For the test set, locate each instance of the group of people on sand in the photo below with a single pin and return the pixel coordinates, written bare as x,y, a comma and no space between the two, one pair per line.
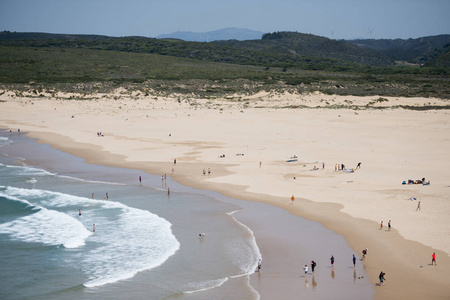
209,171
341,167
418,181
389,225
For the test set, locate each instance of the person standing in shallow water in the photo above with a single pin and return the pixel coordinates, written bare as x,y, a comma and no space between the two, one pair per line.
332,261
354,261
313,266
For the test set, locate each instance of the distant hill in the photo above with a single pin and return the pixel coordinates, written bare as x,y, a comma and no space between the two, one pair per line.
225,34
7,35
418,50
308,45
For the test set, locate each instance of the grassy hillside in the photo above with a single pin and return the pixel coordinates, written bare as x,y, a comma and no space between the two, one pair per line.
89,70
194,50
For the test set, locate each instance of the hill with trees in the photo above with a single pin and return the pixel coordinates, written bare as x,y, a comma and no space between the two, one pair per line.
308,45
418,51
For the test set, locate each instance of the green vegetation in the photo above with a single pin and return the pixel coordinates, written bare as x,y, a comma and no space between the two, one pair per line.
98,63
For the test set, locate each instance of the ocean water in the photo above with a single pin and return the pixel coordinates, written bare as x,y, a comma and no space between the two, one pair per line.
146,243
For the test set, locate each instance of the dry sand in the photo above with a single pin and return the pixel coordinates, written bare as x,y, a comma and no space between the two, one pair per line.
393,145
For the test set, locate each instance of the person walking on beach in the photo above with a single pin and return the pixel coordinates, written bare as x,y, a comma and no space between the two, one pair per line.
381,277
313,266
418,206
140,180
323,165
381,225
354,261
259,265
292,199
175,161
358,166
305,268
332,261
433,259
364,252
389,225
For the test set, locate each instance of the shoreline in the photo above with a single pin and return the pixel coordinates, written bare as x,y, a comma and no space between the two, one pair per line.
398,256
277,269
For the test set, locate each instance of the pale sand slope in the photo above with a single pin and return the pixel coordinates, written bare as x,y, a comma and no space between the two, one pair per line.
393,145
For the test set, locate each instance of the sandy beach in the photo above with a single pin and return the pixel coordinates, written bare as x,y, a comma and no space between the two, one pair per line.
245,142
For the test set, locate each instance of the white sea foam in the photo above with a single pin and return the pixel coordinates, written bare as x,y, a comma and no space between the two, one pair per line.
127,240
32,180
29,171
48,227
4,141
89,181
249,262
205,285
138,240
13,198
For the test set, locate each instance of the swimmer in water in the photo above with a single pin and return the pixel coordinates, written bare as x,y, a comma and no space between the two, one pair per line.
201,235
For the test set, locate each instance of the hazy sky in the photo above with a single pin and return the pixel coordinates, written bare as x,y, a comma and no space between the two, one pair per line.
339,19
